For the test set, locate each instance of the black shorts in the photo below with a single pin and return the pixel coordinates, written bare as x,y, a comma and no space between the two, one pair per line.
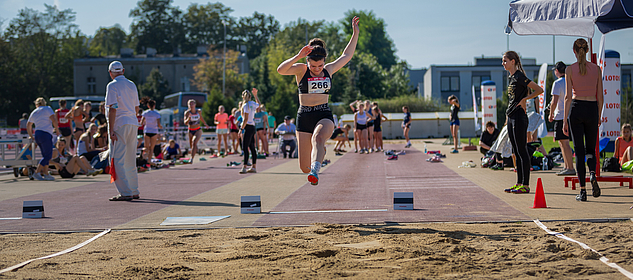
361,126
309,116
370,124
65,174
234,130
194,131
140,131
334,135
65,131
261,128
79,129
377,128
558,131
150,134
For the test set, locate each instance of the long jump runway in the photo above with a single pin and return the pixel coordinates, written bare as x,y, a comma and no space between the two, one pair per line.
87,207
363,184
353,189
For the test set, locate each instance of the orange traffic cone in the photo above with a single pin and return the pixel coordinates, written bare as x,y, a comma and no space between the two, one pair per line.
539,196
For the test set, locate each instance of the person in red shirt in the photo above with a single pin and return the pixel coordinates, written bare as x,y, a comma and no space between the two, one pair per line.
65,127
233,130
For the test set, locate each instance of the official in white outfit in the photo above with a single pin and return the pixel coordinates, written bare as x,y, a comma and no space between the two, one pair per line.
122,103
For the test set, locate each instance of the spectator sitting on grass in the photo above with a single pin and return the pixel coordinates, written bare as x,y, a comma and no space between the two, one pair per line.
488,137
68,165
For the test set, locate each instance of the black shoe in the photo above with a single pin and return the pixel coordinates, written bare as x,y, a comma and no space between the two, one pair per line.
582,196
595,189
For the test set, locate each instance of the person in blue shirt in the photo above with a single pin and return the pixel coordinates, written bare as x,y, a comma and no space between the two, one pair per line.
287,130
454,120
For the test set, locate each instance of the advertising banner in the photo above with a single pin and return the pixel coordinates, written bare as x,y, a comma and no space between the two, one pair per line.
488,103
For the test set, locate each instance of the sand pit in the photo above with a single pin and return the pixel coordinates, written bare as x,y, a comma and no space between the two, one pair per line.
322,251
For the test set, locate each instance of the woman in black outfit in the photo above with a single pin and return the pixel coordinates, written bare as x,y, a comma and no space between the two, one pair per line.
516,118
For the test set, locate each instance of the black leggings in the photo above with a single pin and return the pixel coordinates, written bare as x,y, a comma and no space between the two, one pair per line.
517,132
583,122
249,142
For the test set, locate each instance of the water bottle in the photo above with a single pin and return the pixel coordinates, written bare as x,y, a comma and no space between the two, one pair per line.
544,163
425,148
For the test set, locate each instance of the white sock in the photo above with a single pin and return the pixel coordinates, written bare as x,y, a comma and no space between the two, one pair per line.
316,167
409,142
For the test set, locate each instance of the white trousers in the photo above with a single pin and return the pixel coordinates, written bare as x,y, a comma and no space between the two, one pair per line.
123,151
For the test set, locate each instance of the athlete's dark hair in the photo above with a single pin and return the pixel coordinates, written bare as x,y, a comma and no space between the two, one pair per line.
147,101
62,102
512,55
318,52
490,124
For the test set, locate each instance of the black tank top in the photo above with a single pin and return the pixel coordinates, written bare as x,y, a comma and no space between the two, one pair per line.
377,120
309,84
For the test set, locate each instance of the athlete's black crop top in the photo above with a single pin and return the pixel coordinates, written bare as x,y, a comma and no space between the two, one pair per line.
309,84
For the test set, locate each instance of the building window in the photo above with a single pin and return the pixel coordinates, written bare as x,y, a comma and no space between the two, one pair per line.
92,85
450,83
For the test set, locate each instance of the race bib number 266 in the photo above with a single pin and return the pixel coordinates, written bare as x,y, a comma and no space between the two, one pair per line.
319,85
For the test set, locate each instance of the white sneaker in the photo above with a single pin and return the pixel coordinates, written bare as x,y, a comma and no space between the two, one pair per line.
38,177
48,177
371,150
244,170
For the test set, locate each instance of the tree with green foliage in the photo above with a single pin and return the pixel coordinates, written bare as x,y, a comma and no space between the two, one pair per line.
208,73
373,37
203,25
256,31
396,81
157,24
155,87
38,49
108,41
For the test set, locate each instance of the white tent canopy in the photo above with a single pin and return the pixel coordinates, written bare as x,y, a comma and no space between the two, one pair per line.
557,17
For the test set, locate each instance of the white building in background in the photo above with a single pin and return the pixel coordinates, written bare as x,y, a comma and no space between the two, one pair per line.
442,81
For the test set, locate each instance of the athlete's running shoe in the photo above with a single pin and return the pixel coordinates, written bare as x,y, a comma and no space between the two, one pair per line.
522,189
313,178
408,145
244,170
252,170
454,151
497,167
595,189
582,196
516,186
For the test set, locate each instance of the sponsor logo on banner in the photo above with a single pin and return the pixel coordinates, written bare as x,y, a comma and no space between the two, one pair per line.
488,104
610,122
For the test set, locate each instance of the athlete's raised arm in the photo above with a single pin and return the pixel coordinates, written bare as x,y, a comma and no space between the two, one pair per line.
334,66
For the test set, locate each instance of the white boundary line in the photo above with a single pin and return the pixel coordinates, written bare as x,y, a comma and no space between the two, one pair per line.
16,218
586,247
15,267
329,211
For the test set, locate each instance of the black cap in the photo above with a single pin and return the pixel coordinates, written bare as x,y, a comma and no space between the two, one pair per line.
287,118
560,66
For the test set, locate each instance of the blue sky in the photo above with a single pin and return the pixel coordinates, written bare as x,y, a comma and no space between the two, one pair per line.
424,32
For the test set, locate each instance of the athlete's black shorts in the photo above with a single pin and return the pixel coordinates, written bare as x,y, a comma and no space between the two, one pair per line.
65,174
258,129
65,131
361,126
309,116
150,135
558,131
235,130
140,132
377,128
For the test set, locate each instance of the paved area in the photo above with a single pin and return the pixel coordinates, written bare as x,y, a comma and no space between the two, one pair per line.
353,189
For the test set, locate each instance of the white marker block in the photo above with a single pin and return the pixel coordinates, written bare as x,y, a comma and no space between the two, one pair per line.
33,209
251,204
402,201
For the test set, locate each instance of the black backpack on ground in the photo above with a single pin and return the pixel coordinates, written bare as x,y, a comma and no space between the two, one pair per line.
611,165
